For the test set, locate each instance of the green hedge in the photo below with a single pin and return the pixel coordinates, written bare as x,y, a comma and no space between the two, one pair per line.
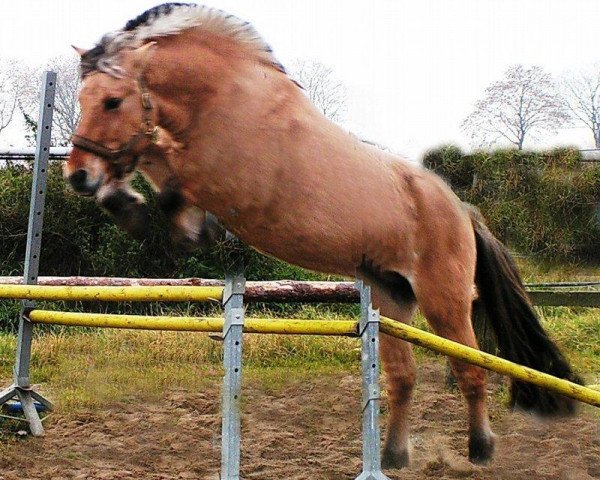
80,239
543,203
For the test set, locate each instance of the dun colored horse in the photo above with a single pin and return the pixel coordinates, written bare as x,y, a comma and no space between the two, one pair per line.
198,94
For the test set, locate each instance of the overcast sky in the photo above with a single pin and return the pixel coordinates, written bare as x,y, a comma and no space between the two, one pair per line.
413,68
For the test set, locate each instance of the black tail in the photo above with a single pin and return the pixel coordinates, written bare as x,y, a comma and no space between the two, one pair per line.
521,337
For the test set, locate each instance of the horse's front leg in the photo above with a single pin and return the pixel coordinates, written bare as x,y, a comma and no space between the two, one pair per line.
126,206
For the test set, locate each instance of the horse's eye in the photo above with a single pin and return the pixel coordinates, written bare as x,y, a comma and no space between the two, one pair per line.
112,103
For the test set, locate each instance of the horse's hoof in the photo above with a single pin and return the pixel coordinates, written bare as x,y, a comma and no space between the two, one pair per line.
135,220
481,448
392,459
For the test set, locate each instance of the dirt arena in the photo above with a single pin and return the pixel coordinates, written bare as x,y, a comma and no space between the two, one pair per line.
309,430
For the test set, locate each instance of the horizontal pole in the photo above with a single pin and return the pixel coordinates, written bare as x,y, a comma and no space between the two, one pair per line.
279,291
325,327
489,362
30,152
556,298
194,324
112,294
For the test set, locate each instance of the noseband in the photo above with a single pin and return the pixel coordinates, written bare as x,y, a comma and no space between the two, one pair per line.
115,156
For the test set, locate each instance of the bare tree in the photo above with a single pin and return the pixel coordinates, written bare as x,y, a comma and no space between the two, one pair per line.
27,83
581,95
321,85
66,107
523,104
66,111
8,95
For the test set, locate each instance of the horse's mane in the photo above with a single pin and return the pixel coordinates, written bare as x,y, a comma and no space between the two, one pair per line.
171,19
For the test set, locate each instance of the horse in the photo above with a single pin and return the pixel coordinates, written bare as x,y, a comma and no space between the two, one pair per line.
253,150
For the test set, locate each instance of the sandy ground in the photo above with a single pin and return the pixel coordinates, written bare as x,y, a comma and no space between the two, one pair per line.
309,431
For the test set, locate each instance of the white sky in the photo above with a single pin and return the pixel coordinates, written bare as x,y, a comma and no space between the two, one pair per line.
413,68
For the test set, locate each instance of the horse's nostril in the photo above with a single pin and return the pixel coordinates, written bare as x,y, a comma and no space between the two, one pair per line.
79,182
78,178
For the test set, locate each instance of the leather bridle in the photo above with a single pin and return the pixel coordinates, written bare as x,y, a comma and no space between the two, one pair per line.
115,156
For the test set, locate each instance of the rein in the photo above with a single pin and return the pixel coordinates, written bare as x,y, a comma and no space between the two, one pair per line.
114,156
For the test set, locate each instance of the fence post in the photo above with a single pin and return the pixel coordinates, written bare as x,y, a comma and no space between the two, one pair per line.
371,436
21,387
233,303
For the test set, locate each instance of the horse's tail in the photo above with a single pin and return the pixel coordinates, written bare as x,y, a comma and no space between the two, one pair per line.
521,338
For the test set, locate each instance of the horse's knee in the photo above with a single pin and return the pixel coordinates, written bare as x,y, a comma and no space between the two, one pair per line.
195,228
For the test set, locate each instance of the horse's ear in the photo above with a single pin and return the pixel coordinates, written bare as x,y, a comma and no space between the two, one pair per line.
80,51
142,55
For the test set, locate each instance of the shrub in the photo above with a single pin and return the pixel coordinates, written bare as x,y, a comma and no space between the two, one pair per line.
544,203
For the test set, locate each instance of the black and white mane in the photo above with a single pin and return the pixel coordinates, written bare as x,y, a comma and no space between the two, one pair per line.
170,19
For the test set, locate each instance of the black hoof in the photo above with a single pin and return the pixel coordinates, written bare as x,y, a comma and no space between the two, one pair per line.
128,214
391,459
481,448
170,199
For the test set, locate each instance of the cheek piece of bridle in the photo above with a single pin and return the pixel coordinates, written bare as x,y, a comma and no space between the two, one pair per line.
116,156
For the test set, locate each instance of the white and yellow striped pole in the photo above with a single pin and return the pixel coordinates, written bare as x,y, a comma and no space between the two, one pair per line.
112,294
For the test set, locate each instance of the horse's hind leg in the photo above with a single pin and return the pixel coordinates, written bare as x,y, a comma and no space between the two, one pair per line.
446,303
399,366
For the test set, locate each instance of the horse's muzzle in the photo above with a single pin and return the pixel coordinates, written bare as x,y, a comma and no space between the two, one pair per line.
83,184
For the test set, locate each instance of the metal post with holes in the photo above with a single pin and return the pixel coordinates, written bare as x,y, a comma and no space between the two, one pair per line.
369,335
21,387
233,303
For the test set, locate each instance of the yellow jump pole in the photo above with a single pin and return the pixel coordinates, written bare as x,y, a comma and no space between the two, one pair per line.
195,324
490,362
112,294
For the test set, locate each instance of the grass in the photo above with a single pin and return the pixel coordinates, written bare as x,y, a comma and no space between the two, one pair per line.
577,331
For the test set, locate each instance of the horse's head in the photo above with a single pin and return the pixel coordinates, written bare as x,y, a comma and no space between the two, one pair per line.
118,123
118,127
